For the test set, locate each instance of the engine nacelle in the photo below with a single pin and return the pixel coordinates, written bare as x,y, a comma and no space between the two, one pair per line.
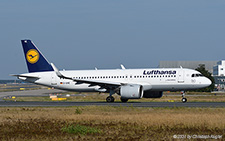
131,91
153,94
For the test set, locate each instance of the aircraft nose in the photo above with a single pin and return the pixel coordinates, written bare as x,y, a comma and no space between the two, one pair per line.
208,82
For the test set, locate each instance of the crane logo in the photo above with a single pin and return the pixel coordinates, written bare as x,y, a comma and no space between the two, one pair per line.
32,56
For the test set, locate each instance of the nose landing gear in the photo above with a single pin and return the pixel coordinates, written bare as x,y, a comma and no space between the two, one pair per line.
184,100
183,97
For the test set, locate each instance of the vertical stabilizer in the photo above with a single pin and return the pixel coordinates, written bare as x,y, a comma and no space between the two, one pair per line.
36,62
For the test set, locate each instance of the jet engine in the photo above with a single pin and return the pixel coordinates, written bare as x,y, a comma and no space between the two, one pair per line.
131,91
153,94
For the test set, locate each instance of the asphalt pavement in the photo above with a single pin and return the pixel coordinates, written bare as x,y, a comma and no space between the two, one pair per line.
46,92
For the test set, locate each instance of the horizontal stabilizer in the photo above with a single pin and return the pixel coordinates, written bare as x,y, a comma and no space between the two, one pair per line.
26,76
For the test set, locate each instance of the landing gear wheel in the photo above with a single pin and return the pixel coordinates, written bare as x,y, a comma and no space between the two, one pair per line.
183,97
123,100
184,100
110,99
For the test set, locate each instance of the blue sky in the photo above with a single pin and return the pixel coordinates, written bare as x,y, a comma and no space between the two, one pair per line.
83,34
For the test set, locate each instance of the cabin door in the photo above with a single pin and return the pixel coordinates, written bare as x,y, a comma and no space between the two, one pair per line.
181,76
54,81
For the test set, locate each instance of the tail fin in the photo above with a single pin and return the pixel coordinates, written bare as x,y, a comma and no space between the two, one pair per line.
36,62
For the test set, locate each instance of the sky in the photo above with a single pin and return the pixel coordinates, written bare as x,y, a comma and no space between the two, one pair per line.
84,34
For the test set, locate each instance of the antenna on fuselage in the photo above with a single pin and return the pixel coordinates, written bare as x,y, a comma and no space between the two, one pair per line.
122,67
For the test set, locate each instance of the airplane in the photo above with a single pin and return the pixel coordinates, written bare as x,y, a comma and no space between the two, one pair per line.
128,83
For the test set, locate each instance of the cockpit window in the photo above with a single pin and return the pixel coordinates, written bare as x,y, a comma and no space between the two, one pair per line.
197,75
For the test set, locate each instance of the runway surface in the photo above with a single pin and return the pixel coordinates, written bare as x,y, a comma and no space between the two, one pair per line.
129,104
45,92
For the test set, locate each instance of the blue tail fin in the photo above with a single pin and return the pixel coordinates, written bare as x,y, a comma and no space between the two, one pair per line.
36,62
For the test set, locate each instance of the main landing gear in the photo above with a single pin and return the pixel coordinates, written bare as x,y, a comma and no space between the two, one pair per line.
123,100
183,97
110,98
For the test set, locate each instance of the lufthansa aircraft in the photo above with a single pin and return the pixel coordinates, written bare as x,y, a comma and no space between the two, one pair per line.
128,83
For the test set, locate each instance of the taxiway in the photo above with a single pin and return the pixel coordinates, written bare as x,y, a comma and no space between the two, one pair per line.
46,92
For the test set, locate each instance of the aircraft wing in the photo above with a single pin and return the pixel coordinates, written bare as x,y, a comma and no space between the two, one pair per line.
100,83
104,84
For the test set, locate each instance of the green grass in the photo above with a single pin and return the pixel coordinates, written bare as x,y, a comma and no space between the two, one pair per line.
78,111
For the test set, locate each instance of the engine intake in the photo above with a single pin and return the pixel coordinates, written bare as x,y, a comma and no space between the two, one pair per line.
131,91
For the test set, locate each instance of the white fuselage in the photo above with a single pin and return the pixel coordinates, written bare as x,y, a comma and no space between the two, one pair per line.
168,79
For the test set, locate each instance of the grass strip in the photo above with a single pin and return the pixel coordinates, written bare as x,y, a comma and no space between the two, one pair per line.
80,129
